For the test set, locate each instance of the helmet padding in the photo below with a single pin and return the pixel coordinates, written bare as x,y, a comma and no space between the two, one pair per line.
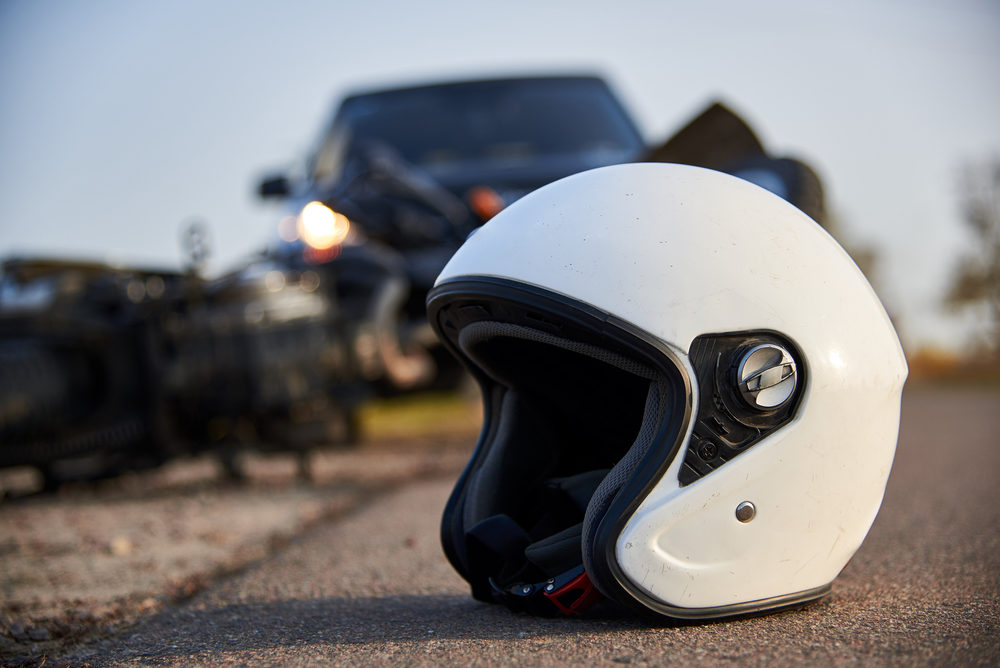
574,422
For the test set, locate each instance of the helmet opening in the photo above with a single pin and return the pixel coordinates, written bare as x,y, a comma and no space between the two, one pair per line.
571,420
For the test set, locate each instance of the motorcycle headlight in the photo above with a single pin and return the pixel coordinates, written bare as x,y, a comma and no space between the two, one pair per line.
321,227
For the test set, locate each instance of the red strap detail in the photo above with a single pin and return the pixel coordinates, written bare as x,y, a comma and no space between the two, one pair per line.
576,596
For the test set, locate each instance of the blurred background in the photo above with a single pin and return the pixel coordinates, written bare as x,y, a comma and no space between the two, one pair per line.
122,122
124,125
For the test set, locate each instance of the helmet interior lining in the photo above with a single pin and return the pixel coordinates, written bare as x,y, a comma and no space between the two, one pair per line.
570,413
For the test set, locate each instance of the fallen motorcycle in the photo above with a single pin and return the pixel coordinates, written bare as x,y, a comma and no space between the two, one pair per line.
106,369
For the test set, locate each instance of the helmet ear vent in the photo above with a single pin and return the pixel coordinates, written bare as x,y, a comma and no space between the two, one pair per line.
749,385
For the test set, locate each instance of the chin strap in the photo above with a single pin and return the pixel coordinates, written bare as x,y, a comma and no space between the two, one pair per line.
570,593
498,551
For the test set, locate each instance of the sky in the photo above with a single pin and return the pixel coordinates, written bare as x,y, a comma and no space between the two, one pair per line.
123,121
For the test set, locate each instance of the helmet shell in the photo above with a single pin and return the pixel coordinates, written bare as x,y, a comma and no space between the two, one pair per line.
679,252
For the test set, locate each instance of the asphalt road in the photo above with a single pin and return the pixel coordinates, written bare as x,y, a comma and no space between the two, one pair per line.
373,587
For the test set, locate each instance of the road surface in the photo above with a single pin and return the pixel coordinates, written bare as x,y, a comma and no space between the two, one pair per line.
370,586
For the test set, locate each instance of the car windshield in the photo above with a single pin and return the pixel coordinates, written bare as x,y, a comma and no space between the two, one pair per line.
500,124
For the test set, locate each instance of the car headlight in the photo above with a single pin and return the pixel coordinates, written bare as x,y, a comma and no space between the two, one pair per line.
321,227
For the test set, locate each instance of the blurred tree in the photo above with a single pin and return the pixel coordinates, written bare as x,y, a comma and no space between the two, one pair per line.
976,279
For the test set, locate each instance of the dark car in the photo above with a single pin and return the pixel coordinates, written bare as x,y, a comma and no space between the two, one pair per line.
513,135
401,177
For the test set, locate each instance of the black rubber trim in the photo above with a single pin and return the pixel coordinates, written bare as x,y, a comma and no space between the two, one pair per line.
740,609
444,303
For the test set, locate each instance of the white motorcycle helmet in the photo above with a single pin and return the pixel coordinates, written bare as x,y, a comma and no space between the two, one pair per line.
691,397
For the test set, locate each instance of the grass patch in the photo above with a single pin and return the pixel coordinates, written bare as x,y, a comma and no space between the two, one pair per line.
422,415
